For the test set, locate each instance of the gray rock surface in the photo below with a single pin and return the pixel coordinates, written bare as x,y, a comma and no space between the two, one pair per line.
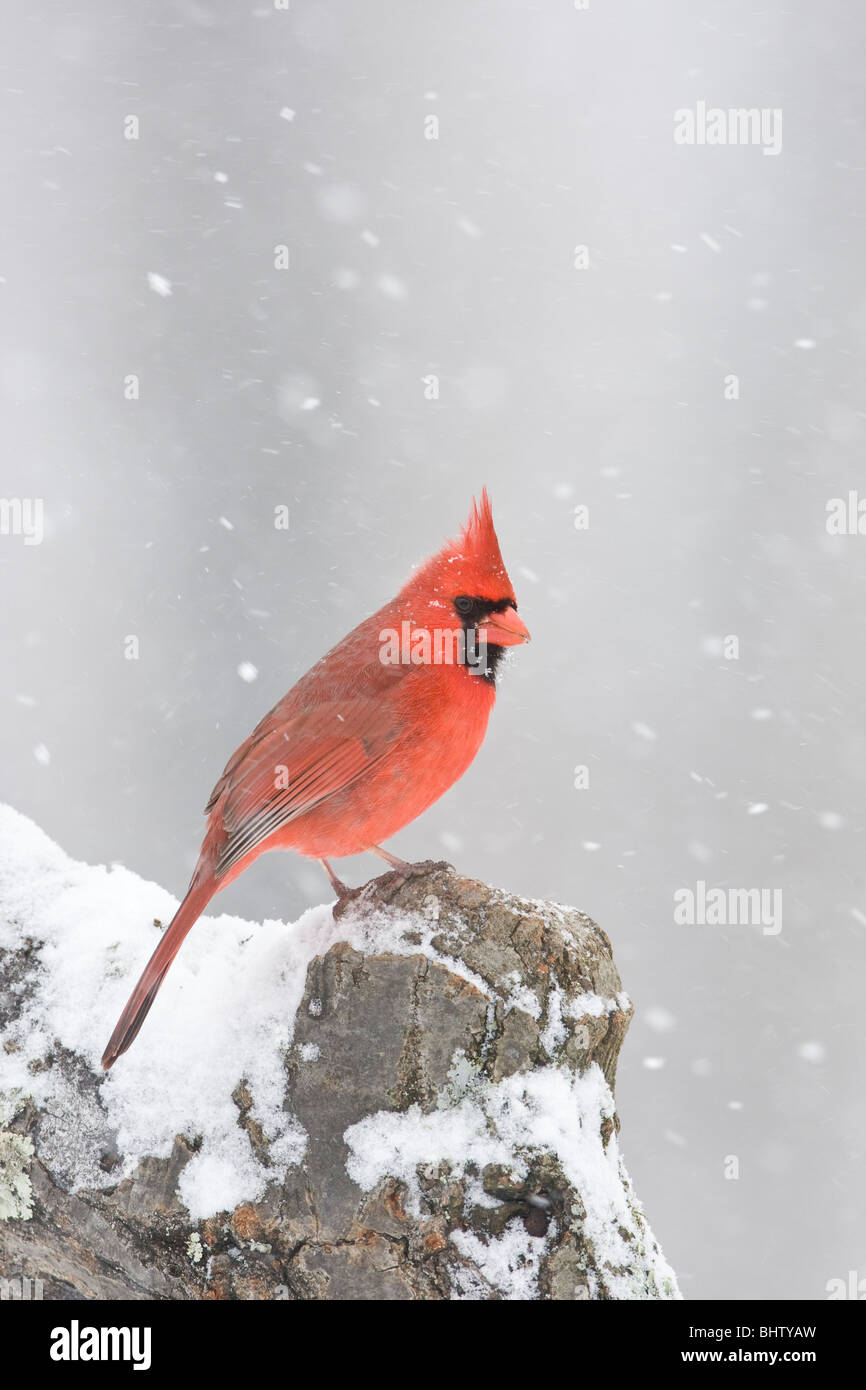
461,1142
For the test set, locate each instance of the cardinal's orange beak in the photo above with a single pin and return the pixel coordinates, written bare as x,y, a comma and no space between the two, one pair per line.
504,629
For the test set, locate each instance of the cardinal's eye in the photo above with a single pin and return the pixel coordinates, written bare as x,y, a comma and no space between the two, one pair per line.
463,604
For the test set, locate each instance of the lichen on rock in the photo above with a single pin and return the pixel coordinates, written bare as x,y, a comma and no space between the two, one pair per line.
16,1190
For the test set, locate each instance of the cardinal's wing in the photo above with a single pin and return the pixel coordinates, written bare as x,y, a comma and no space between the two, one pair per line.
289,765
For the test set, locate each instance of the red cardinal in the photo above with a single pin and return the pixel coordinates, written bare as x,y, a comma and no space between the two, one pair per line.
366,740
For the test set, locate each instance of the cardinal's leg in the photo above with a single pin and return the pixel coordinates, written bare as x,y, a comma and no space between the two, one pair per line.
401,864
337,884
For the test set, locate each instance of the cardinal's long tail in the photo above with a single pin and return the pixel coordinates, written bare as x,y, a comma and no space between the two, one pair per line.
138,1005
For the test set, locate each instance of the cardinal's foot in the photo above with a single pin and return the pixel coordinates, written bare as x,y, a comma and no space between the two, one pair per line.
382,890
423,867
403,871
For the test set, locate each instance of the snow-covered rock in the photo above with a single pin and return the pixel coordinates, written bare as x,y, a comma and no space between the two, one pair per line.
408,1097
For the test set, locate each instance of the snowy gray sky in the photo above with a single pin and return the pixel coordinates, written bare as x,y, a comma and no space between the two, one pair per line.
693,377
